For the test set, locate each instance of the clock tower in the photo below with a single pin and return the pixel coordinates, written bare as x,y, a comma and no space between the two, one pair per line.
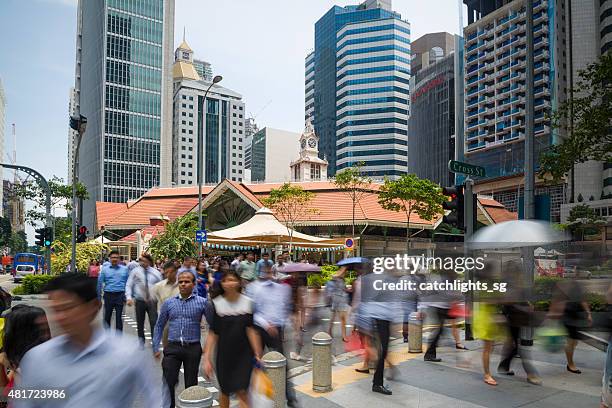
309,167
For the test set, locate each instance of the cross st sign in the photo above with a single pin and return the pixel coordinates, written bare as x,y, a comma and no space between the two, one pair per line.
464,168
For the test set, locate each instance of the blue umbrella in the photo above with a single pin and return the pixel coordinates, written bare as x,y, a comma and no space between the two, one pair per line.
353,261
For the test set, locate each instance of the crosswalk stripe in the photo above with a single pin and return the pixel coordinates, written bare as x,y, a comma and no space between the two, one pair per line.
148,337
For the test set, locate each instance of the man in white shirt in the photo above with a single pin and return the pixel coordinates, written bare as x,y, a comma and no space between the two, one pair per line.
138,292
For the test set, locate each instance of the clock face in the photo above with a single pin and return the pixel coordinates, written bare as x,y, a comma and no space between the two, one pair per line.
303,143
312,143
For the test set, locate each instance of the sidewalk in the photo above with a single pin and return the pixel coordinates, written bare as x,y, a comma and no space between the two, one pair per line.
457,381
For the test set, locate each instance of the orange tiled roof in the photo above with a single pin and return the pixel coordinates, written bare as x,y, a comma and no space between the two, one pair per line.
247,193
496,211
105,212
257,188
141,212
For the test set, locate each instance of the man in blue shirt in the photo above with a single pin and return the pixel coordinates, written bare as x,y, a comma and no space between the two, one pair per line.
184,315
112,281
263,264
91,366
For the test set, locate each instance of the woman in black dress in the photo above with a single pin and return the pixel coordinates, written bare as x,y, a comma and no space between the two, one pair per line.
236,341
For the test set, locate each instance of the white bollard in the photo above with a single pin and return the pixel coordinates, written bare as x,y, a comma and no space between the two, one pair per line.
195,397
415,333
276,368
321,362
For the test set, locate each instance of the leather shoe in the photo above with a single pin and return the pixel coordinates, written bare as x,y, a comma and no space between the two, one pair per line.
381,389
432,359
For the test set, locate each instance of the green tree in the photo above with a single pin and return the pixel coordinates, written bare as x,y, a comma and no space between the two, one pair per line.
5,232
177,241
61,197
18,242
412,195
290,204
85,253
63,230
583,220
585,119
354,184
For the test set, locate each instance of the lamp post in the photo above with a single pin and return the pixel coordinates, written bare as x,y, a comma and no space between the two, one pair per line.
78,123
200,143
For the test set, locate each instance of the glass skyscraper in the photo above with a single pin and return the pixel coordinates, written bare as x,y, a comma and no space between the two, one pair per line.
359,88
123,85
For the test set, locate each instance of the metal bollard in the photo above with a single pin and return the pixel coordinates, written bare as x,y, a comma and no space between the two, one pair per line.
321,362
195,397
276,368
415,333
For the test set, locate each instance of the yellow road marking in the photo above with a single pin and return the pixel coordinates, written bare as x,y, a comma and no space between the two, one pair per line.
347,374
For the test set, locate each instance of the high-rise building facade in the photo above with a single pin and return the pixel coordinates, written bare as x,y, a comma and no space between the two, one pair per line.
309,100
204,70
431,130
361,65
219,119
495,90
271,153
2,127
124,88
605,29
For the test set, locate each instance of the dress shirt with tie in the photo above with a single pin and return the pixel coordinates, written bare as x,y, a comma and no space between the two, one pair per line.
140,283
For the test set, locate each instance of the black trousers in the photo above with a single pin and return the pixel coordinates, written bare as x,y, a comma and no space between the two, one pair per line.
441,315
150,308
114,301
176,355
275,343
511,347
382,328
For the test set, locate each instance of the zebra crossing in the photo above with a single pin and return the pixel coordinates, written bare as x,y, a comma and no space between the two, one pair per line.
203,382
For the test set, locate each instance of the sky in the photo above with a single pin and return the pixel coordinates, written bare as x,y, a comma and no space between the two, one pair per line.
258,46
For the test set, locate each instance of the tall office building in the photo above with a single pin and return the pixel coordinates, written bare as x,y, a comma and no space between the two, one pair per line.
124,88
431,130
219,119
2,127
204,70
359,87
495,55
605,29
271,153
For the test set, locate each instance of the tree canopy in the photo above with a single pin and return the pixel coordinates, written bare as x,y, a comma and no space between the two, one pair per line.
354,184
178,239
585,118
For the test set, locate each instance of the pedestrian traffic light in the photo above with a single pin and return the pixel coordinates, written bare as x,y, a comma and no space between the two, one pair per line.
455,205
82,236
48,236
40,236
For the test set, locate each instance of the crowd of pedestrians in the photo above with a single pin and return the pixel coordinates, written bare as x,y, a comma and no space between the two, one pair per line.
221,315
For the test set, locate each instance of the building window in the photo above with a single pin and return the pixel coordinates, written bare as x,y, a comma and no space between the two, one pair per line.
182,173
234,115
296,172
190,123
233,130
182,164
240,155
182,139
183,96
191,132
182,130
182,156
190,140
240,139
234,163
240,132
233,139
191,98
183,105
234,122
233,178
233,170
315,171
190,106
240,116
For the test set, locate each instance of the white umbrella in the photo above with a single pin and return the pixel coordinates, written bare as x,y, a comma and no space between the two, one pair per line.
516,234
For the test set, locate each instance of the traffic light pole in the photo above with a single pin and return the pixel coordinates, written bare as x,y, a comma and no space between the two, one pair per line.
79,124
45,186
468,208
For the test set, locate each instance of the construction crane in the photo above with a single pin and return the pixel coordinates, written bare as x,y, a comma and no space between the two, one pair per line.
260,110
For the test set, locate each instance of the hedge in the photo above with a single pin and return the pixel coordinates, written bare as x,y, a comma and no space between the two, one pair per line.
32,284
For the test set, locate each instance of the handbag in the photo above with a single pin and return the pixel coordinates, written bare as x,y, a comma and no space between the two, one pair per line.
261,393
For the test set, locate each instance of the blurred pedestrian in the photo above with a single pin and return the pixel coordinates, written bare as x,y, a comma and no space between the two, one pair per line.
183,313
336,291
234,339
247,269
203,279
93,367
570,305
606,389
25,327
164,290
235,265
111,282
272,304
263,264
138,291
93,271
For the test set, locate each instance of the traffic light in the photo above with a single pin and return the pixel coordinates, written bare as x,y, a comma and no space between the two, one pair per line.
48,236
40,236
455,205
82,236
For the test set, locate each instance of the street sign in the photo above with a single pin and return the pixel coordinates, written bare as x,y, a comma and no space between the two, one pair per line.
201,235
349,243
465,168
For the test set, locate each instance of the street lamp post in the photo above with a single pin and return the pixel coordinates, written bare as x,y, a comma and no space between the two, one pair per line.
200,143
78,123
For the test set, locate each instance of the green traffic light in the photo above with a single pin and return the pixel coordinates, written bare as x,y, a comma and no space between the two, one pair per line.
47,243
